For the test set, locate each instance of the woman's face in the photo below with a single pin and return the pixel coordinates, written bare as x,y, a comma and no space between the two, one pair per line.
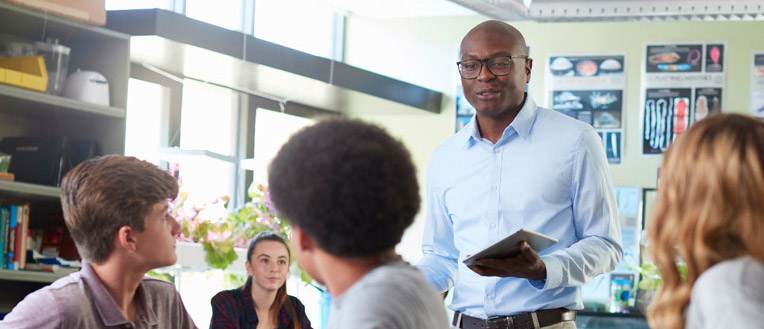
268,265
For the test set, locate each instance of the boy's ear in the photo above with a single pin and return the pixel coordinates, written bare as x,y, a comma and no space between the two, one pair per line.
126,238
302,241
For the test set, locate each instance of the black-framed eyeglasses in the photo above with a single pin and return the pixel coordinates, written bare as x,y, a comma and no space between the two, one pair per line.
499,65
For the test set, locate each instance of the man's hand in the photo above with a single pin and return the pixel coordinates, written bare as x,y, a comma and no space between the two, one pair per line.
525,265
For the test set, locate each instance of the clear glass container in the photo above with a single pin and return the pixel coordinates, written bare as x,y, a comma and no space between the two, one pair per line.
56,63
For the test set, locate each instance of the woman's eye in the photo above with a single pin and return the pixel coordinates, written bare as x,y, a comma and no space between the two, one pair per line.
264,260
282,262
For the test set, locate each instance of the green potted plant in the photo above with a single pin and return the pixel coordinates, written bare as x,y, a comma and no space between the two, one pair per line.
649,282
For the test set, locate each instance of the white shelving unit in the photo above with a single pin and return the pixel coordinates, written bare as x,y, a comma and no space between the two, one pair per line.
30,276
29,191
29,113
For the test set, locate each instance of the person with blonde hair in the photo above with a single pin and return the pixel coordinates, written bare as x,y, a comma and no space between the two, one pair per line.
710,215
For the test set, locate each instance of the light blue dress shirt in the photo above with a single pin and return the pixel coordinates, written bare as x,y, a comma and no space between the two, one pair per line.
548,173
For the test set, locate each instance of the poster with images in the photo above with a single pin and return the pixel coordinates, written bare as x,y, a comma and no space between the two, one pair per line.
611,142
681,84
590,88
464,111
757,85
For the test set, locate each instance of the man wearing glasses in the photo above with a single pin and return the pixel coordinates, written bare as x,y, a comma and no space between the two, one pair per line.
516,166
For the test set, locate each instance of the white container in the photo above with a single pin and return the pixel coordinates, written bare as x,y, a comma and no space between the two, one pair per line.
87,86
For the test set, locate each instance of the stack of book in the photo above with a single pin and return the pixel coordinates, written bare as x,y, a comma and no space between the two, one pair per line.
14,232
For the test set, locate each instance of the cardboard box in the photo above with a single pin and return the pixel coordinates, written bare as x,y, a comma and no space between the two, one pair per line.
89,11
6,176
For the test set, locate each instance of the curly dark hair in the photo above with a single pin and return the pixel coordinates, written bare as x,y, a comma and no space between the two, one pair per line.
347,184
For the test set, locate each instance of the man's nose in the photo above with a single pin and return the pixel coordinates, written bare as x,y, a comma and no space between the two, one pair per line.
485,73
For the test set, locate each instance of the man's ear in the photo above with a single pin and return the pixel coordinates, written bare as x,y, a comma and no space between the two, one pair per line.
528,67
126,238
301,241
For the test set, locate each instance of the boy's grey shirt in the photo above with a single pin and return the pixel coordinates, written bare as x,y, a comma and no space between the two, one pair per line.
392,296
80,300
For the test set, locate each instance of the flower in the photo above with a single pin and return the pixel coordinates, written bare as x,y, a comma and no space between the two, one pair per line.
218,231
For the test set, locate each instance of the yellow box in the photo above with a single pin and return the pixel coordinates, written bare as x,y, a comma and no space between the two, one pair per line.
25,72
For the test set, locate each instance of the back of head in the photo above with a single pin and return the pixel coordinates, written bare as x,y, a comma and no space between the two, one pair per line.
709,206
103,194
347,184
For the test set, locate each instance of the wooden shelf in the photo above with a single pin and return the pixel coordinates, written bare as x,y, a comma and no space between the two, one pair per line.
31,191
24,99
30,276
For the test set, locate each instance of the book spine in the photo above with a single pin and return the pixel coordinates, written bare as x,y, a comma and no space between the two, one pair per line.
3,233
17,251
11,247
24,236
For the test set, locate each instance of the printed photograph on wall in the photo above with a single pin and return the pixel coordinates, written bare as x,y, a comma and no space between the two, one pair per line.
590,88
714,57
585,66
666,116
599,108
464,111
757,85
708,101
682,83
611,141
674,58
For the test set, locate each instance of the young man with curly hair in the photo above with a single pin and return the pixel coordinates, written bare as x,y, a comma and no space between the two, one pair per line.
350,190
116,209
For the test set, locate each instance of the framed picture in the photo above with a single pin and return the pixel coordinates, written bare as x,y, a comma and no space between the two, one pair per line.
649,195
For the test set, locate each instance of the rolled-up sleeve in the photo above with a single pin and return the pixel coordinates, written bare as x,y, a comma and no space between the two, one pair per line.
439,255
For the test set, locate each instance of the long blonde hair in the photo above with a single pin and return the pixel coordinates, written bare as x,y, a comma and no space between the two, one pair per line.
709,207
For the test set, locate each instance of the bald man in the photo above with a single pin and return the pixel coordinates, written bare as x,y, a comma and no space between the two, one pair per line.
516,166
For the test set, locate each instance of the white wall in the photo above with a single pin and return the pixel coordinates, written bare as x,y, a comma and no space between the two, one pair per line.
423,51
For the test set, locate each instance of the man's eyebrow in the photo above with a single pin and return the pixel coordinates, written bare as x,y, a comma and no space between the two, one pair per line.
501,53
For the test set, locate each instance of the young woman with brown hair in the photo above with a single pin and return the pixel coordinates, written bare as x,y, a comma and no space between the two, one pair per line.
263,301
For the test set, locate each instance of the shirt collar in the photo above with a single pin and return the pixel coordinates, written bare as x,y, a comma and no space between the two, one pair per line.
522,124
106,306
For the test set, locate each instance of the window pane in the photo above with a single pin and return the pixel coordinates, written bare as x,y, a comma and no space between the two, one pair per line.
305,25
208,120
147,104
206,179
197,289
226,14
272,129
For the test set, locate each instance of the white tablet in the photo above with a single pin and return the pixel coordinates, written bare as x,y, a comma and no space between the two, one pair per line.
510,246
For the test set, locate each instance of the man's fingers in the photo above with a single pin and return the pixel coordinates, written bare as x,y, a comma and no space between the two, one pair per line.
475,269
528,252
487,263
